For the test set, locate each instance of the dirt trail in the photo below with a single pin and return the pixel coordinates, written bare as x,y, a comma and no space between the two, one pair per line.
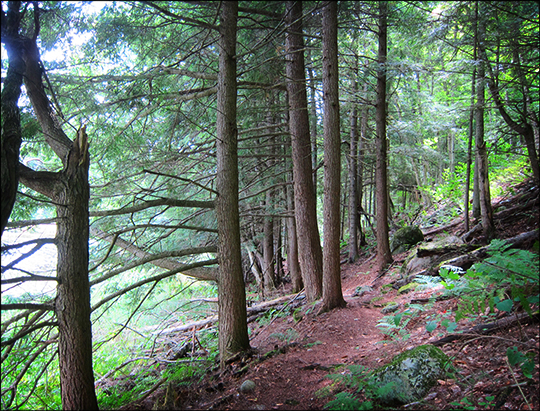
307,347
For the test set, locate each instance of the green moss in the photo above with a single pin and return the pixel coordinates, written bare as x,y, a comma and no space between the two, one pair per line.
411,374
407,288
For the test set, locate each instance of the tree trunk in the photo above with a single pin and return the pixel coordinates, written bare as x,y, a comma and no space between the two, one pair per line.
353,176
268,247
384,256
486,211
233,335
73,293
11,119
292,246
332,293
69,189
309,245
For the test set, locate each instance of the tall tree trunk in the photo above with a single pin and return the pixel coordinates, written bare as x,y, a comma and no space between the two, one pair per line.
233,334
469,151
486,210
69,189
384,256
353,174
73,295
313,119
332,293
11,120
309,245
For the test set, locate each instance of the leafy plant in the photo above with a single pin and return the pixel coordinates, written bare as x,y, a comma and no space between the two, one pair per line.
358,378
505,280
525,361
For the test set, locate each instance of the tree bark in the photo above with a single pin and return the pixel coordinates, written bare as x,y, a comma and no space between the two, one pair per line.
332,293
73,294
233,335
292,246
309,245
69,189
384,256
11,120
353,174
486,211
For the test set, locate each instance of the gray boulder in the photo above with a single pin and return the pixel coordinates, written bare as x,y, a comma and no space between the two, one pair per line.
405,238
411,374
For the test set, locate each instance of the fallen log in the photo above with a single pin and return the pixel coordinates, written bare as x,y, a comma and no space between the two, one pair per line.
253,310
482,329
466,260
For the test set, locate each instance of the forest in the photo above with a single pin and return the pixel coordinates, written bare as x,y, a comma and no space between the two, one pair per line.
197,195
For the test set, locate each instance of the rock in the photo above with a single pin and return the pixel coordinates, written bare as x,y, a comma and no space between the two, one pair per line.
426,257
390,308
405,238
413,373
247,387
360,291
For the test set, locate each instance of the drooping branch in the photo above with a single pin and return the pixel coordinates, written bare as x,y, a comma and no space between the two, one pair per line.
199,272
172,202
178,270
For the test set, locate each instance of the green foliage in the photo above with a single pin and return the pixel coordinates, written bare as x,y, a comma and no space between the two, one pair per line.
525,361
507,279
360,380
395,326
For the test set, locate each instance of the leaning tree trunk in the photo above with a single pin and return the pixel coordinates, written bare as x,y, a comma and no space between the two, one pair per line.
233,333
309,245
384,256
11,120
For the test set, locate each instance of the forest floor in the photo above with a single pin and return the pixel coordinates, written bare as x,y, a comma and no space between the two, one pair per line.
304,348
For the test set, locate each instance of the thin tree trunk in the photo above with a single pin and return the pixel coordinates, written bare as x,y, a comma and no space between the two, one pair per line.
353,181
309,245
486,210
233,334
384,255
332,293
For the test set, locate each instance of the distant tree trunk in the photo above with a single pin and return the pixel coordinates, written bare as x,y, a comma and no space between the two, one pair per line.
313,119
292,246
486,210
469,151
332,293
268,247
353,175
233,334
309,245
384,256
11,120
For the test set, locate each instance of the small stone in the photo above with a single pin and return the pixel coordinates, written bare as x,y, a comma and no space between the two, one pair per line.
247,386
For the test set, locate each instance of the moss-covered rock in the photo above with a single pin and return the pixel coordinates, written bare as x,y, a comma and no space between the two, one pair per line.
390,308
405,238
407,288
412,374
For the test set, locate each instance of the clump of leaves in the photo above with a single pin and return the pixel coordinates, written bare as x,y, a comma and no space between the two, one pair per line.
358,378
506,279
